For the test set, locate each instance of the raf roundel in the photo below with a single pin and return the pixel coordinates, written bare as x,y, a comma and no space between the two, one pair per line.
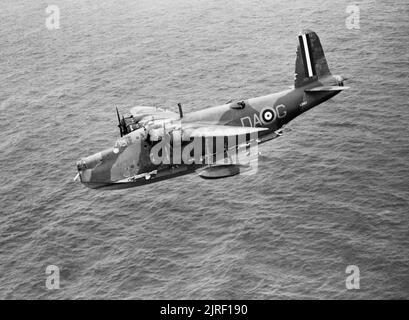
268,115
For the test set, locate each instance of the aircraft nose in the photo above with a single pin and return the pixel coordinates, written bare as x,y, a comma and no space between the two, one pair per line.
112,165
95,170
90,162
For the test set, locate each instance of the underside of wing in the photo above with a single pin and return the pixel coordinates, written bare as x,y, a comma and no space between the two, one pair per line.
326,89
212,130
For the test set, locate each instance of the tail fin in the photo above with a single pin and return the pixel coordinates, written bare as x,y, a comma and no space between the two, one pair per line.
310,63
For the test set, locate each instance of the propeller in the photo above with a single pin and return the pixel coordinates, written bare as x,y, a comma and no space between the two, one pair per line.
121,123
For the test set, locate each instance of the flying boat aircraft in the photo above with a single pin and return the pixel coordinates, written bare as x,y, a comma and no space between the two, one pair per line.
216,142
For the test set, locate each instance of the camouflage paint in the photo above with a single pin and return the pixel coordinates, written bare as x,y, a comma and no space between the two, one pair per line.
128,163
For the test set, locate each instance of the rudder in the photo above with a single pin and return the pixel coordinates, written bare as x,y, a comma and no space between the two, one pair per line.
310,63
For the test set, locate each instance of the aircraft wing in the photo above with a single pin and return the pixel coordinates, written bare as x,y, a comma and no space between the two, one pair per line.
141,112
215,130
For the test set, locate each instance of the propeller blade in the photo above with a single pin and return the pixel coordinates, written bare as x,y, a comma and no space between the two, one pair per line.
119,122
117,113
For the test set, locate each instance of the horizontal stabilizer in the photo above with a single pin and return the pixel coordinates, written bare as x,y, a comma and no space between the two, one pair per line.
326,89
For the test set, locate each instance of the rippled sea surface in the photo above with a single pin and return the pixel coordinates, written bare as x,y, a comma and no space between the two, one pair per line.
331,192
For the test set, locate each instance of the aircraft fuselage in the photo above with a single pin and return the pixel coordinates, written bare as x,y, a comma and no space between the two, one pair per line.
282,107
145,135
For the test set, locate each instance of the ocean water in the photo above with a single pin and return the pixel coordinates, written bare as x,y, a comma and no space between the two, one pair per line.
331,192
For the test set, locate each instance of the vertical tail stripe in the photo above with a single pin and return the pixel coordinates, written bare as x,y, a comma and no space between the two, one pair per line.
302,52
311,54
307,55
